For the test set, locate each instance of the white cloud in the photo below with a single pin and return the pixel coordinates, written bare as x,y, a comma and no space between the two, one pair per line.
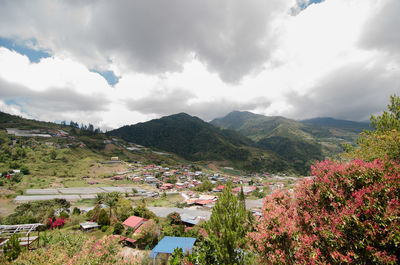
204,58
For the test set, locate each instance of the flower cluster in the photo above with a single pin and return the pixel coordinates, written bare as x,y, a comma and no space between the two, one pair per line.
347,214
56,222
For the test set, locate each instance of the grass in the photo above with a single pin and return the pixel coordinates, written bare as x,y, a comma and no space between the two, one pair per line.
169,201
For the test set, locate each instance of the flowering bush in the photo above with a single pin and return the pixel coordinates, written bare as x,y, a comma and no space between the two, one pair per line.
349,213
56,223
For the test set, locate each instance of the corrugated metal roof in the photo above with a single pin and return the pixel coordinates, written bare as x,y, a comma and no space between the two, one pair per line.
169,243
134,222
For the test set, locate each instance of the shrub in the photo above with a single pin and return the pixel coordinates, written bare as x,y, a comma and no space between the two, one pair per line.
76,211
12,249
64,215
118,229
347,214
103,218
25,170
104,228
55,223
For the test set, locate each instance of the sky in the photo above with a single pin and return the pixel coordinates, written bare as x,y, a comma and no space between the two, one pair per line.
113,63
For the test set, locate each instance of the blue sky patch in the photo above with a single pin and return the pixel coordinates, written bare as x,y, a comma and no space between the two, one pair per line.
109,76
25,47
305,5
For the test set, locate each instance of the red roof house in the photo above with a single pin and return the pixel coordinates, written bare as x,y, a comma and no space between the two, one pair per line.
134,222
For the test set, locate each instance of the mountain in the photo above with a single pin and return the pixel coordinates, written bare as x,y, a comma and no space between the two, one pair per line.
351,126
299,142
196,140
75,152
187,136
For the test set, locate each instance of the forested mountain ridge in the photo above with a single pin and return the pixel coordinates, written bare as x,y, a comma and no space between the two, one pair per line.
187,136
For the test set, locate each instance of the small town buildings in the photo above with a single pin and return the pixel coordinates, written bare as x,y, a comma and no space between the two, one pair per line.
167,186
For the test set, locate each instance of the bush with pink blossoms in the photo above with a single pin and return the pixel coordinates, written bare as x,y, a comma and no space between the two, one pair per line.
56,222
349,213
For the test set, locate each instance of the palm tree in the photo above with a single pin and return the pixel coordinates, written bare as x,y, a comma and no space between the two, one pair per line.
111,199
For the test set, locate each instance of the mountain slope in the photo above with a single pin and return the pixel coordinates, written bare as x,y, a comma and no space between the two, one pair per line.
299,142
187,136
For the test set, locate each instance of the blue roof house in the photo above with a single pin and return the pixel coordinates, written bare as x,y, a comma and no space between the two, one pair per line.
169,243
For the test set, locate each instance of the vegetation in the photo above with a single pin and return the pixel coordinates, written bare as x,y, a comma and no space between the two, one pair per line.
66,247
12,249
347,214
187,136
103,218
36,212
227,230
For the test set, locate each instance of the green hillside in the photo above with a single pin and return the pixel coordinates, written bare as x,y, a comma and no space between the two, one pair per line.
299,142
187,136
73,155
196,140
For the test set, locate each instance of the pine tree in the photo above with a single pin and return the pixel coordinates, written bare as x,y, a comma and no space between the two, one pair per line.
227,228
242,198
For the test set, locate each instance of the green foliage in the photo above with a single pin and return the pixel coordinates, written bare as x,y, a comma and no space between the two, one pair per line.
187,136
12,249
178,257
103,218
389,120
38,211
148,234
53,154
24,170
118,228
174,218
142,211
110,199
384,141
76,211
123,209
205,185
104,228
227,228
301,153
257,193
64,214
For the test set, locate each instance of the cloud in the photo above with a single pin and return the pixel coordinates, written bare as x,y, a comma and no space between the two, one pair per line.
233,38
381,32
52,102
352,92
171,101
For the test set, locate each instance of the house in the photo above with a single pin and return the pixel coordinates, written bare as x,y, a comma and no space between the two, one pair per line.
167,186
168,244
134,222
118,178
88,226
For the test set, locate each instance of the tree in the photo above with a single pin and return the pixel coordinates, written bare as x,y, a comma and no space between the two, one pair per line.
53,154
389,120
103,218
205,185
148,234
225,229
12,249
241,197
123,209
109,199
142,211
384,140
118,228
